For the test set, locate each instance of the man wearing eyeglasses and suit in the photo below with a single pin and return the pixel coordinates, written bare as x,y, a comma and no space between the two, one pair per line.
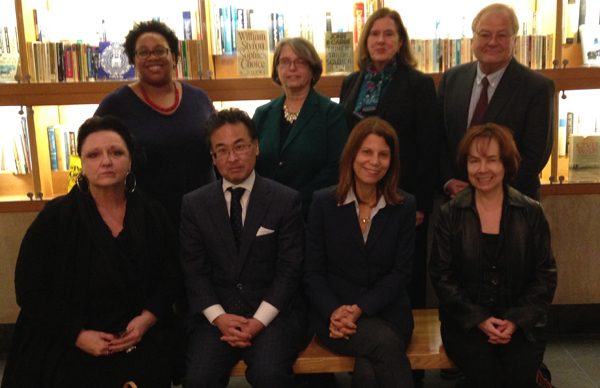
496,88
242,247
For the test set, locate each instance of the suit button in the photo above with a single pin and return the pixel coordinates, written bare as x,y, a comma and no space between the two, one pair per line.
239,286
280,164
495,282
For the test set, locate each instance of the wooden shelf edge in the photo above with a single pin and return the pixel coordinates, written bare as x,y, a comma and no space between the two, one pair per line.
570,189
21,206
233,89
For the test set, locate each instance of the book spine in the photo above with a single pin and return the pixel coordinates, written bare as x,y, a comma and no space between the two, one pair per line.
52,149
272,31
184,59
187,25
249,16
359,21
562,137
72,143
233,24
280,27
570,117
65,149
226,31
241,19
68,63
60,148
26,140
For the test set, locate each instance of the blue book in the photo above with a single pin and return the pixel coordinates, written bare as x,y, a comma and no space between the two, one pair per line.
241,18
458,51
52,148
187,25
113,62
226,31
233,23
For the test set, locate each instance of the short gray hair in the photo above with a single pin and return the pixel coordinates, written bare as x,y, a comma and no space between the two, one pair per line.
498,7
305,50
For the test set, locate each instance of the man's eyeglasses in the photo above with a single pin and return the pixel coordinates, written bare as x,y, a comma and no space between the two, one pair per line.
222,153
159,52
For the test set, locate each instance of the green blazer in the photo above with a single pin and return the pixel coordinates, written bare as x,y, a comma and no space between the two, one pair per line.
310,157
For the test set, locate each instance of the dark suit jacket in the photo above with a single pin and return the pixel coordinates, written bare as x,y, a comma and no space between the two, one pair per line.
340,269
409,105
310,157
268,267
523,102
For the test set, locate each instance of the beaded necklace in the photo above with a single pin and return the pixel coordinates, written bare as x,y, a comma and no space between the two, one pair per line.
155,106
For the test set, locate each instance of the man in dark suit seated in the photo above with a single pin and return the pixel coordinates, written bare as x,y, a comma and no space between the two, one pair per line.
242,247
497,89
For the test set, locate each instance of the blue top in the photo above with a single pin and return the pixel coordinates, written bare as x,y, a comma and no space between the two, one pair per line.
172,158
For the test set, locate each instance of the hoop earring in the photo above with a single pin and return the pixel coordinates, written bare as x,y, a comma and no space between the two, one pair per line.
83,184
129,182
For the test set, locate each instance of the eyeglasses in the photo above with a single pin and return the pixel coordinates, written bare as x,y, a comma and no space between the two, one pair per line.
159,52
501,37
298,62
222,153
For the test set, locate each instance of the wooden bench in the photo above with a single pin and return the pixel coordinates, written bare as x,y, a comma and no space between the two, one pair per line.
425,351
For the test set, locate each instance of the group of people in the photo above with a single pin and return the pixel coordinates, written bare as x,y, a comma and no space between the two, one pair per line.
317,224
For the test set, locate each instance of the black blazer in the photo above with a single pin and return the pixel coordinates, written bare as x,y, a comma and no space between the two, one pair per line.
523,102
268,266
341,269
409,105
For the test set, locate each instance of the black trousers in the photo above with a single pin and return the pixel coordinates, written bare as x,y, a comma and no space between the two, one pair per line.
485,365
417,288
379,349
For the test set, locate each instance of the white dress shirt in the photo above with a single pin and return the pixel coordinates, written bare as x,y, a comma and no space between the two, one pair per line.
266,312
351,197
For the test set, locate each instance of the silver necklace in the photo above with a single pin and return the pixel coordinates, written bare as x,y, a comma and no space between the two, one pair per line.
289,116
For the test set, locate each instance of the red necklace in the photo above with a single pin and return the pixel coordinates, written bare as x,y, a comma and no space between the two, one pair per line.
158,108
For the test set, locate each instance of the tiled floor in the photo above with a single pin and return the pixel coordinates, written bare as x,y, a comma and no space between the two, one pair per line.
574,361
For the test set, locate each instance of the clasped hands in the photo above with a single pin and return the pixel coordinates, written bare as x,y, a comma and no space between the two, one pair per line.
499,331
99,343
238,331
342,321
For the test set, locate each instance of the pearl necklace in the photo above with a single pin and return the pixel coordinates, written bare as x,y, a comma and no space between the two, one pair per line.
289,116
155,106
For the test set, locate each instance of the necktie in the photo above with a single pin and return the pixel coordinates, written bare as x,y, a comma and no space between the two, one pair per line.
235,213
482,104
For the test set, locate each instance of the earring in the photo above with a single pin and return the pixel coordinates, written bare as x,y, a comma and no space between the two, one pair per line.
129,182
83,184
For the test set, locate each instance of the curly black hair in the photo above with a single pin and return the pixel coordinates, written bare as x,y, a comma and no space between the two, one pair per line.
150,26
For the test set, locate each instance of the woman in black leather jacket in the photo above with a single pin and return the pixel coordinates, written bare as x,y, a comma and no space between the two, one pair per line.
493,268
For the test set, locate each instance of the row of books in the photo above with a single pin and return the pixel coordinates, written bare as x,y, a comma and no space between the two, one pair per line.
62,61
438,55
8,40
15,153
62,143
189,65
76,62
226,19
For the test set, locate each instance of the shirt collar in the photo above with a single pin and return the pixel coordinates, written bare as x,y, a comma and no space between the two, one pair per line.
247,184
351,197
493,78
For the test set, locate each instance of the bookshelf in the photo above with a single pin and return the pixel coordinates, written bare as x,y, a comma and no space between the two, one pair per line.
42,102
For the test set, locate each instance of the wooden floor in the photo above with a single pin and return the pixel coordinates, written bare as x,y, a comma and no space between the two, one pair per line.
425,351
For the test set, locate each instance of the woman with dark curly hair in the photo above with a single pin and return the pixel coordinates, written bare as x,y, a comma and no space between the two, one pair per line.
166,116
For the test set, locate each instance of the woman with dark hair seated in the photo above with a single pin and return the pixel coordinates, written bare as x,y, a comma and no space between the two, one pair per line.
96,278
359,245
492,268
